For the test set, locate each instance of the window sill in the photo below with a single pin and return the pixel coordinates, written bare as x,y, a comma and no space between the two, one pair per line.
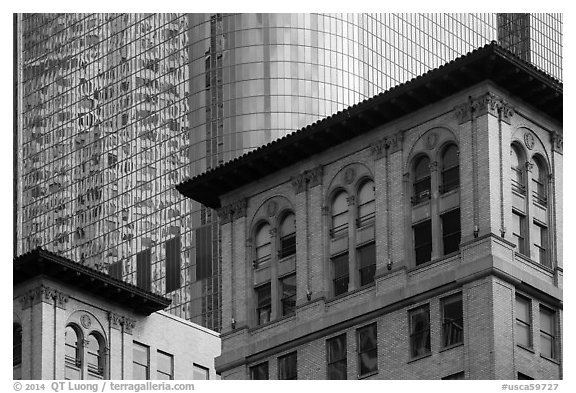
268,324
449,347
427,355
555,361
527,259
435,261
450,192
531,350
368,375
349,293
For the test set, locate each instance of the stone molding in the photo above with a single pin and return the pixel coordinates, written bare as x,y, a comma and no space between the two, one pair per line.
487,103
43,293
307,179
392,142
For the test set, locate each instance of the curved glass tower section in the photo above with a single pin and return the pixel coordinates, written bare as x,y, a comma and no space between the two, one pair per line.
114,110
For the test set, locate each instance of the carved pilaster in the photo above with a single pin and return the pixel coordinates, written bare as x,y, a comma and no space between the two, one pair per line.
61,300
557,141
115,321
239,208
129,325
487,103
392,142
307,179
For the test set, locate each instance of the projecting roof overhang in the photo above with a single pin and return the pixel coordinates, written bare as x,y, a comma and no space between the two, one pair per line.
490,62
40,262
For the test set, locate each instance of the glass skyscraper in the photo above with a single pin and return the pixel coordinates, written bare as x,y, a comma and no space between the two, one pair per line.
114,110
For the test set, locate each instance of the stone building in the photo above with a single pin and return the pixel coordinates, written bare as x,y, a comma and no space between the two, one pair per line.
73,322
415,235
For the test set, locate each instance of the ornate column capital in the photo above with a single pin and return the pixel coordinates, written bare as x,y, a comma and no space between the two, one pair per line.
273,232
61,300
239,208
528,165
307,179
433,166
224,214
392,142
128,324
115,320
557,141
351,200
487,103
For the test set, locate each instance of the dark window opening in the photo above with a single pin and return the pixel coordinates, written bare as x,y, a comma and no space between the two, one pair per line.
143,269
341,276
264,303
451,231
419,331
288,236
287,366
366,203
204,252
259,372
115,270
423,242
450,170
367,263
422,184
288,299
522,376
367,350
173,264
336,354
452,321
455,376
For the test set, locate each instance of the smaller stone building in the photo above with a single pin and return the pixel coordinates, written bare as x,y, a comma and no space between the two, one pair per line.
73,322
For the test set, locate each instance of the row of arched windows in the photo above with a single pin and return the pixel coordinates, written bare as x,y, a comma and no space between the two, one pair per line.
77,355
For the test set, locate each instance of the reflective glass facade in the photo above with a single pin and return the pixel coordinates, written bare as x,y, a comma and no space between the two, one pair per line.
116,109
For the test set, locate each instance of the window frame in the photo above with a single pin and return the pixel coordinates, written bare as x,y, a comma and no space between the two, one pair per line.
520,323
446,335
449,235
360,351
330,363
260,305
369,217
445,186
99,373
261,366
265,259
340,229
282,360
287,242
371,267
146,367
196,367
552,336
344,259
423,309
518,180
520,238
421,194
423,245
171,358
284,298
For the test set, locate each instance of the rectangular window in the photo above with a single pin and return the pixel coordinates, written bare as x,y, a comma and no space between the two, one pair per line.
141,361
143,269
115,270
523,318
264,303
547,333
518,232
173,264
287,366
455,376
539,244
341,277
336,356
204,252
165,363
259,372
423,242
367,263
200,372
451,231
419,319
367,349
452,321
288,299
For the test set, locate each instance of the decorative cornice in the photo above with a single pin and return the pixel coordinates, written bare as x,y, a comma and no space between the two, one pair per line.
392,142
43,293
557,141
307,179
487,103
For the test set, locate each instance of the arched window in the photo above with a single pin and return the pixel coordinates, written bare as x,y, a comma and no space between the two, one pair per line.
539,178
73,354
366,204
17,350
339,213
421,180
263,249
288,236
95,357
517,171
450,169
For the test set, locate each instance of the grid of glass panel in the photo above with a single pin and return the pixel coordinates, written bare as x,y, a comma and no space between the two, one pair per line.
116,109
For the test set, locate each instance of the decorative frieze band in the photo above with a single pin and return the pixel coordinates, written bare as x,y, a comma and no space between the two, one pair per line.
307,179
392,142
234,210
487,103
44,294
118,322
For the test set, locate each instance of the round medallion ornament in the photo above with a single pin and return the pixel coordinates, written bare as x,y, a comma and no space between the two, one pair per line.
529,140
85,321
431,140
349,175
271,208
